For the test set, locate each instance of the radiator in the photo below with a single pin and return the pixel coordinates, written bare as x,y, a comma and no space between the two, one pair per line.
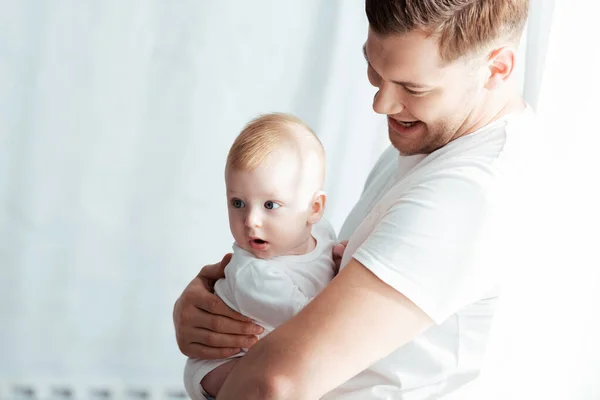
23,390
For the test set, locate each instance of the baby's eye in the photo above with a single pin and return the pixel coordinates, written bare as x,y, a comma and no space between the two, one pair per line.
237,203
269,205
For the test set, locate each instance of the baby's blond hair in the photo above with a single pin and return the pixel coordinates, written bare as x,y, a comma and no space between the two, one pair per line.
261,136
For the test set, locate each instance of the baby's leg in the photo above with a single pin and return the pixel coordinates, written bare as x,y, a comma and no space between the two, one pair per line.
213,381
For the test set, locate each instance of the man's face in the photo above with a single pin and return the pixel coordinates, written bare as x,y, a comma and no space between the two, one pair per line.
428,103
269,207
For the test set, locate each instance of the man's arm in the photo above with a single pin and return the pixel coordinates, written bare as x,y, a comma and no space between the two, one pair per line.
357,320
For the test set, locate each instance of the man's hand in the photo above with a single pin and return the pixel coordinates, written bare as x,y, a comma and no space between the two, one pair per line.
338,253
204,326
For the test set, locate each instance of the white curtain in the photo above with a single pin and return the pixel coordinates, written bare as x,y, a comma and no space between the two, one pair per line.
115,120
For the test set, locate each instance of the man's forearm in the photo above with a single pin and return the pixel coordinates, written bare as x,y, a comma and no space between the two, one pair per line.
259,376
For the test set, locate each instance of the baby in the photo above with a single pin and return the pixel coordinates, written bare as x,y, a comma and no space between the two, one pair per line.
282,255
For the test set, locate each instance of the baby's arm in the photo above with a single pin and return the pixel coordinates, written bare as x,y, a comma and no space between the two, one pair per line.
213,381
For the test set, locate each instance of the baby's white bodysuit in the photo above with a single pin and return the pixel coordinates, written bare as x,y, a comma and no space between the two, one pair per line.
268,291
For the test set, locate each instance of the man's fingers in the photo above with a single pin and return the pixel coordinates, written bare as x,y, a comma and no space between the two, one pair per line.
338,251
215,271
214,305
227,257
226,321
197,350
213,339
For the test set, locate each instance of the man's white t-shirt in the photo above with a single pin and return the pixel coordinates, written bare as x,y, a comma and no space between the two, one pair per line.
434,227
270,291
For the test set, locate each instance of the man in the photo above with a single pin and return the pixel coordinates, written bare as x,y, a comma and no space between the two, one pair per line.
409,314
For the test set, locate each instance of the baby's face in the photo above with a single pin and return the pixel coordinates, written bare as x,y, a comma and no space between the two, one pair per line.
269,208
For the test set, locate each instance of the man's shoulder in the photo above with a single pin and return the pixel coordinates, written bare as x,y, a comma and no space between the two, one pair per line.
496,141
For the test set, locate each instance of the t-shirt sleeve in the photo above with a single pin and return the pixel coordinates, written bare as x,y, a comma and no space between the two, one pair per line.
267,294
427,244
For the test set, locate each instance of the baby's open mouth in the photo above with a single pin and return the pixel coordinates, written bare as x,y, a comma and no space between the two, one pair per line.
258,244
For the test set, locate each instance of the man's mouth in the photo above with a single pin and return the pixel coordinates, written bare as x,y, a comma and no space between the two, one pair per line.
407,124
404,127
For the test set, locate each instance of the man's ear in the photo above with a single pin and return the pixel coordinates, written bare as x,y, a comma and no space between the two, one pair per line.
317,207
501,64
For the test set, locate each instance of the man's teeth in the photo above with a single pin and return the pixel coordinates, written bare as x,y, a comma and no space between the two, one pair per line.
407,124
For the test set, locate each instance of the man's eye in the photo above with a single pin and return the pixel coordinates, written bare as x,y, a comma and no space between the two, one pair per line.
237,203
414,93
269,205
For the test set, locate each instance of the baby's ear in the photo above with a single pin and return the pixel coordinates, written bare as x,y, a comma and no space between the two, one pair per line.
317,207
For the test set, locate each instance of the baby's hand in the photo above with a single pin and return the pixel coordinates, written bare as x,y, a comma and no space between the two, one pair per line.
338,253
213,381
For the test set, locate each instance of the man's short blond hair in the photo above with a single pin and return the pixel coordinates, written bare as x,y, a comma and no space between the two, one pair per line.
261,136
463,27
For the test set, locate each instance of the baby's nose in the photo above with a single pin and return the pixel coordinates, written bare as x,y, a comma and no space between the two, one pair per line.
253,219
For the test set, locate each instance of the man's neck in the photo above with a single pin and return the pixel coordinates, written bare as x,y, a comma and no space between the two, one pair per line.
497,104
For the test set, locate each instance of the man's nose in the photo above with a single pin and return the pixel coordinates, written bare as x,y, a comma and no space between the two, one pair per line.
386,100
